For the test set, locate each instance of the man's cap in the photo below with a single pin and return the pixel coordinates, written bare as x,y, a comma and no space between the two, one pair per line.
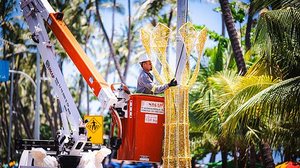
144,58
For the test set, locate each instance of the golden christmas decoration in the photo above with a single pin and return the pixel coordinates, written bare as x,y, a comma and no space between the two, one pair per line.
176,145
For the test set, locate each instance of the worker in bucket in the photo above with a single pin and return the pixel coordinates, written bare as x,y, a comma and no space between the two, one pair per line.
145,82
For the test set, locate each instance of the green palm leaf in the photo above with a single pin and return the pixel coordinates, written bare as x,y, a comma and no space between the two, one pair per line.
246,88
274,4
223,82
206,108
278,42
279,101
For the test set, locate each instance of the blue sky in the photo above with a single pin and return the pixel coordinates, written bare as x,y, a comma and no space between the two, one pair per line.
200,13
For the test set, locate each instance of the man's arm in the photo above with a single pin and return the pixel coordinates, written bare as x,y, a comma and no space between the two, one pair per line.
149,85
160,88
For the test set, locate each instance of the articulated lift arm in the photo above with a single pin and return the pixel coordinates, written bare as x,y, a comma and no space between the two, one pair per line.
37,13
86,67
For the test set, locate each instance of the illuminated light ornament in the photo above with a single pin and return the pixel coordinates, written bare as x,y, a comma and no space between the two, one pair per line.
176,145
159,42
145,37
188,36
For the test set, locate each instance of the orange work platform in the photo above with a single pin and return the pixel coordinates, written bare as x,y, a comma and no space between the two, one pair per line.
143,129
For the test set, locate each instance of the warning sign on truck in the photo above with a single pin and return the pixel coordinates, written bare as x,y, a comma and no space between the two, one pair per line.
151,118
94,127
152,107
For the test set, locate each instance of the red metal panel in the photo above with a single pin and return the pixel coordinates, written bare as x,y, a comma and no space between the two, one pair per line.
143,129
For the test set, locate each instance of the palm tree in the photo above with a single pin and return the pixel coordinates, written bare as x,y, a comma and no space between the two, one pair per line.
256,6
279,102
249,26
206,113
233,36
279,49
13,49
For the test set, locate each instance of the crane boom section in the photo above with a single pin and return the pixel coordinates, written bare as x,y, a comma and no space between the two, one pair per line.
76,53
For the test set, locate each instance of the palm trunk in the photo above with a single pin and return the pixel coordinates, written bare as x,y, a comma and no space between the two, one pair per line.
58,121
18,106
24,119
48,118
52,116
111,39
266,153
237,50
252,156
170,18
51,101
193,162
213,157
80,91
223,26
235,156
112,51
248,28
224,154
46,112
214,153
128,41
4,123
287,153
243,156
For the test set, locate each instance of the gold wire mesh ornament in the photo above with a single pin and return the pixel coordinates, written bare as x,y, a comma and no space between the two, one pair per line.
145,37
176,145
159,42
199,46
176,140
188,35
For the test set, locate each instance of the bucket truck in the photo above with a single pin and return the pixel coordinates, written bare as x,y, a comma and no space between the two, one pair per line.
140,117
72,139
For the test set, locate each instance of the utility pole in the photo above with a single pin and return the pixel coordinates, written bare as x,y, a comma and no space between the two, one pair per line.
182,6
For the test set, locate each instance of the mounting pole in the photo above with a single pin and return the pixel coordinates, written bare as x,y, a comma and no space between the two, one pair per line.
182,6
